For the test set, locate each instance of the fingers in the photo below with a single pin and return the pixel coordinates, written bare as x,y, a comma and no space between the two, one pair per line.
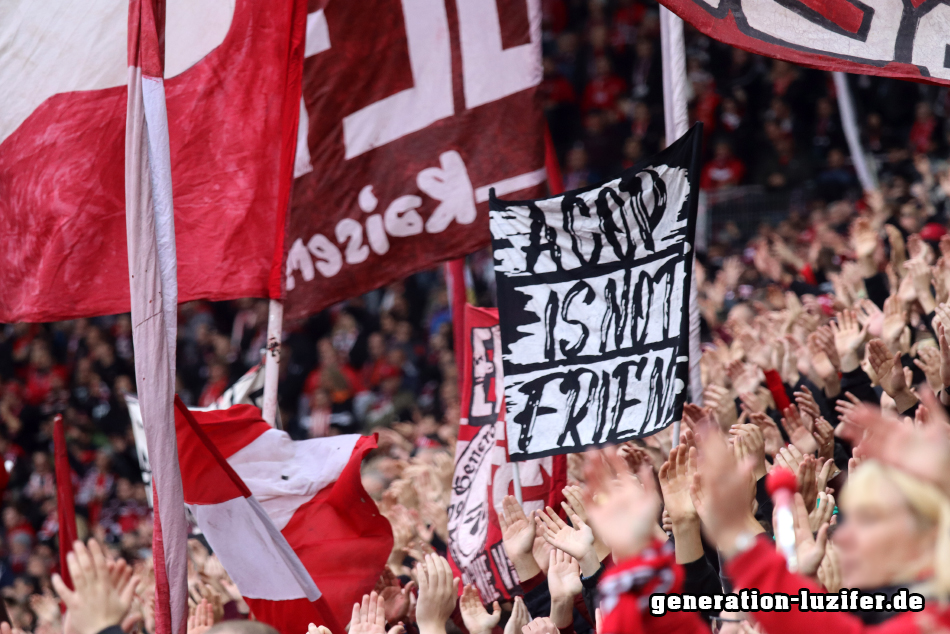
65,594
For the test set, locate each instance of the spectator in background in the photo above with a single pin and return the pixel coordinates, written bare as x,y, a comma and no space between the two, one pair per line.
724,170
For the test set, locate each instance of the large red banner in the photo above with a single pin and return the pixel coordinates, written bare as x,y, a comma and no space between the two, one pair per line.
483,474
232,84
411,111
895,38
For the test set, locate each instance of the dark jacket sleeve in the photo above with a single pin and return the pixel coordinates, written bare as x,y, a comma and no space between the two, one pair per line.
590,589
702,578
877,289
859,383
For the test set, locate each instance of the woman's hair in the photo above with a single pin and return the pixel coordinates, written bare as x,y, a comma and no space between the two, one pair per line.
928,505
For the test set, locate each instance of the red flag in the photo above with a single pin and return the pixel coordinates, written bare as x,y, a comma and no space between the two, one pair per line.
65,509
393,177
312,492
232,79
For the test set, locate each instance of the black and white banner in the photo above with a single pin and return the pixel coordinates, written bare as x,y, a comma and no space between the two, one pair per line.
593,291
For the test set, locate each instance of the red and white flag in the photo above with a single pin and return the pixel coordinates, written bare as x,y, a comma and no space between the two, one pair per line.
153,276
270,576
312,493
232,80
483,473
891,38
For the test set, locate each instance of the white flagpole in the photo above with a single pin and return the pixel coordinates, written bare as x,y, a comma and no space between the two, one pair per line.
673,50
850,126
275,322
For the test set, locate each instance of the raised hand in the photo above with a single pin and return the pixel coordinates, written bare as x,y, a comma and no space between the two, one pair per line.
870,317
622,510
675,477
928,360
96,603
849,337
798,432
577,541
829,572
895,319
919,272
824,434
770,432
438,592
313,628
476,618
201,619
542,625
573,504
890,374
721,491
944,355
517,534
745,377
519,617
564,583
749,444
809,548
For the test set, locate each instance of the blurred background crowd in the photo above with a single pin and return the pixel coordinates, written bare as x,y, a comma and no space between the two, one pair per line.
792,240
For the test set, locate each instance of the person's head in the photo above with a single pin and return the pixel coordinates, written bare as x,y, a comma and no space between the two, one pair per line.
896,530
836,158
644,48
123,490
923,111
601,67
722,150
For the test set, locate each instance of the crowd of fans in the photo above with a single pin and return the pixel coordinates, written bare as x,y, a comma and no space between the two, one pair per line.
837,307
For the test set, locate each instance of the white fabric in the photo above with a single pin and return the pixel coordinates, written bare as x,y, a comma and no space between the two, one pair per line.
673,50
512,185
284,474
153,290
850,125
255,555
49,47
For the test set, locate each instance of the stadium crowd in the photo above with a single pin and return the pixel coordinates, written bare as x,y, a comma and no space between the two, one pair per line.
841,305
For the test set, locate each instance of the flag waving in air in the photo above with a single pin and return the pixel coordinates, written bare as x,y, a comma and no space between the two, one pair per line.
265,568
313,496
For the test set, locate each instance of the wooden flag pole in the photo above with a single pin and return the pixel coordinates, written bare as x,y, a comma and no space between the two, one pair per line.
275,323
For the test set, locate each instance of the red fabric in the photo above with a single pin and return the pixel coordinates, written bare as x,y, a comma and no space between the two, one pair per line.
463,145
341,538
809,275
293,617
455,270
762,568
65,509
601,93
555,180
208,478
722,173
773,380
723,26
232,429
623,586
62,174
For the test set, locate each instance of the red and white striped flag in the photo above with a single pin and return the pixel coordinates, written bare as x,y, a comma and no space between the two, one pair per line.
272,579
153,278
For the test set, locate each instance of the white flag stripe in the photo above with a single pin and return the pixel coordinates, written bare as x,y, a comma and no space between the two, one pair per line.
244,544
284,474
512,185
